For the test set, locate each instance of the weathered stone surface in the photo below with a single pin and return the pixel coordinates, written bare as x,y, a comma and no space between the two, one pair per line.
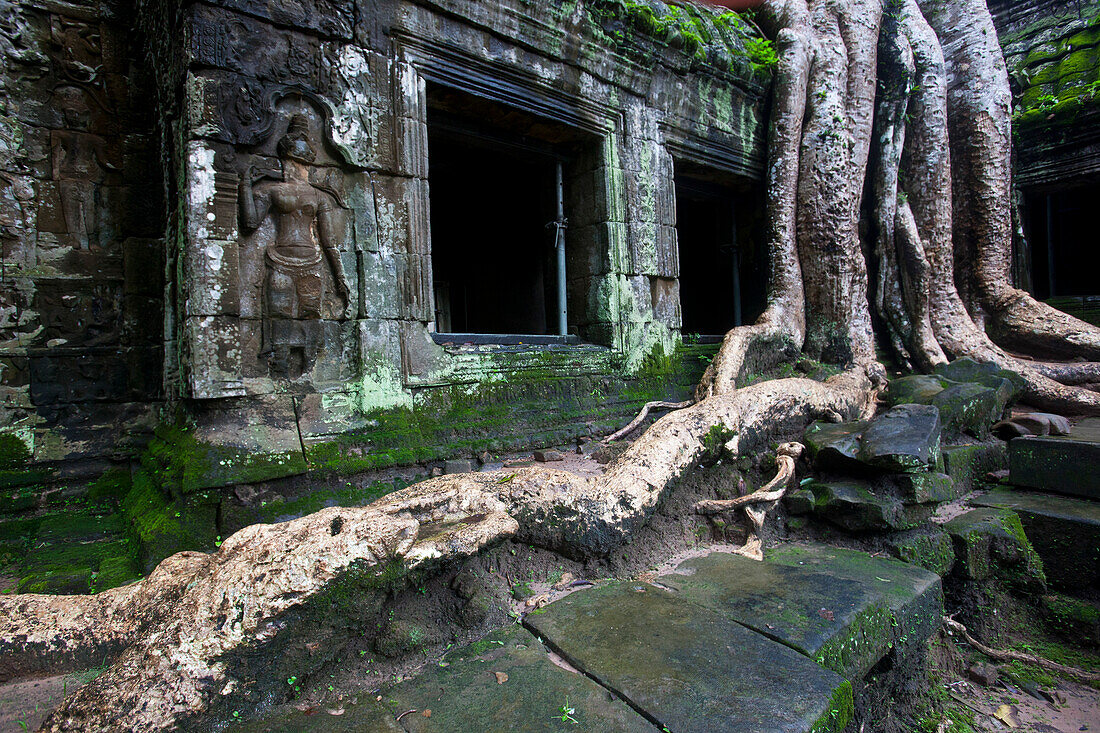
968,370
853,506
972,408
914,595
1059,465
925,488
843,623
968,465
916,389
991,542
904,438
1064,531
366,716
459,465
548,456
930,548
689,668
835,445
466,695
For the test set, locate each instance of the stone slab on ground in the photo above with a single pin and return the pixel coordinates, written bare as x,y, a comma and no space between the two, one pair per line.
1063,530
507,682
843,623
1058,464
913,594
690,669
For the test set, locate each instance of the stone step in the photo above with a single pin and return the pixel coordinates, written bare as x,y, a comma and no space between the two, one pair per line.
844,609
1063,464
1064,531
507,681
690,669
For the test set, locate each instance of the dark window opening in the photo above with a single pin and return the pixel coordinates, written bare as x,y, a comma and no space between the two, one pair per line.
723,277
1062,233
493,177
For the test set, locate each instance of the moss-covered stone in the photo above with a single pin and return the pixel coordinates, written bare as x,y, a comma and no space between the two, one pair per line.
853,506
968,465
1074,619
14,453
835,445
916,388
972,408
930,548
1064,531
990,542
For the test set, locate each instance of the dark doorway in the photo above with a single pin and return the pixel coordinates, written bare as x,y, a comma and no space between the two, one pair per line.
493,194
1065,252
721,283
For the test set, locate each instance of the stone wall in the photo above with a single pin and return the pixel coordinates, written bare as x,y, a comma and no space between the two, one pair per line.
217,272
1052,48
81,231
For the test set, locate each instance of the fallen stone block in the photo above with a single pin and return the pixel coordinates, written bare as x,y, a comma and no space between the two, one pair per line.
852,505
917,389
904,438
972,408
1061,465
930,548
835,445
968,465
990,542
1063,530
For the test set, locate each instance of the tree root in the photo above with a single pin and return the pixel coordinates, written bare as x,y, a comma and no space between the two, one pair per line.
204,632
659,405
767,494
1011,655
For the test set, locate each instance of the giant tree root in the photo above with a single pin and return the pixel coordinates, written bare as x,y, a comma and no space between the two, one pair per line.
207,634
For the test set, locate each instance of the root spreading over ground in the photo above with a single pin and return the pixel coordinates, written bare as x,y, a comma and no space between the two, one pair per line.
908,96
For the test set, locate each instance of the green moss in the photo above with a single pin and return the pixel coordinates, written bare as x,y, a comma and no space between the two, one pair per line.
851,651
182,465
840,712
724,41
114,483
14,453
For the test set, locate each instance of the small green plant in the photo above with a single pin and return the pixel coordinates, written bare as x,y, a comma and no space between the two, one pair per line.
566,713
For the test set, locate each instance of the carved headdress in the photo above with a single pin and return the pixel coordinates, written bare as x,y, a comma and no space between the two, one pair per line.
295,144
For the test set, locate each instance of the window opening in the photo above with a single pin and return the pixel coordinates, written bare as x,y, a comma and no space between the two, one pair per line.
722,281
497,180
1062,234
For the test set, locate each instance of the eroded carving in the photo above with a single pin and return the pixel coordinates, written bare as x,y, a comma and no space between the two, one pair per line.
80,162
305,235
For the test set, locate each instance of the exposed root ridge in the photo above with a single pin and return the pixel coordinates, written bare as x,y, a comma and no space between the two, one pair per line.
766,495
641,417
1011,655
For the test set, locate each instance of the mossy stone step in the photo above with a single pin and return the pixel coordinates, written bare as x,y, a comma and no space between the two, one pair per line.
507,682
690,669
1063,530
846,620
1059,464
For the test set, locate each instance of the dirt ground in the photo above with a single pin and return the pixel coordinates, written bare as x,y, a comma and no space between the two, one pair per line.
1006,706
25,704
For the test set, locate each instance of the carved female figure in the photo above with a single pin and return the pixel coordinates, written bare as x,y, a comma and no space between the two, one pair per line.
305,235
